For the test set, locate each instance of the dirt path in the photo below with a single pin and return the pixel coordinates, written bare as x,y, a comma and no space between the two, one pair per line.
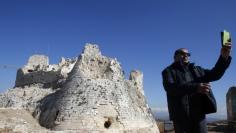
18,120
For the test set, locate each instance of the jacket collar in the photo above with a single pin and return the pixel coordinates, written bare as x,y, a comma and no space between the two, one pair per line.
179,66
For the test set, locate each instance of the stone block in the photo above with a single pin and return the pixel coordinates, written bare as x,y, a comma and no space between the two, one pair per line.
231,104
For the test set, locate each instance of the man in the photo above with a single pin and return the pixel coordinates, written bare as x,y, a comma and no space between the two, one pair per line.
187,87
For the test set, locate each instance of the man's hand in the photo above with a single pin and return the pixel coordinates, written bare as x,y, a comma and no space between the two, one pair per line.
226,51
204,88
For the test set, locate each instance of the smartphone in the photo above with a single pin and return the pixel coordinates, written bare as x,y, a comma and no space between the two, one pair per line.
225,38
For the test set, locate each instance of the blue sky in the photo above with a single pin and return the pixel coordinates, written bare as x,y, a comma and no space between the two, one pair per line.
141,34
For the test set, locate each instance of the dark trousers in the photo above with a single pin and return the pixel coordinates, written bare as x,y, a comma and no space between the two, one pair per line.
190,126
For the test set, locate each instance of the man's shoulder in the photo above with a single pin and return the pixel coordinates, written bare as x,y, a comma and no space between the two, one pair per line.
168,68
196,67
193,65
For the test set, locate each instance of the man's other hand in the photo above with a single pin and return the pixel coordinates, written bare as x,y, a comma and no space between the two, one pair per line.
204,88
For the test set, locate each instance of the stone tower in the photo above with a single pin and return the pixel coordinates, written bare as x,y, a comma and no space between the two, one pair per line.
231,104
97,98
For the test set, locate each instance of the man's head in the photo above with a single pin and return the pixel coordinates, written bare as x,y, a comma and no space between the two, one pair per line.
182,55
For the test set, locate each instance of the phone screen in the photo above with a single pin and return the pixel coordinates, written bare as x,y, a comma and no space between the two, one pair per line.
225,38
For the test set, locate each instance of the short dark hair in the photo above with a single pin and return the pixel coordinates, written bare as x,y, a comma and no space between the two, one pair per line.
178,51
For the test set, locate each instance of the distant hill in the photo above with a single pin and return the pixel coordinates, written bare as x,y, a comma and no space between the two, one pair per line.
164,116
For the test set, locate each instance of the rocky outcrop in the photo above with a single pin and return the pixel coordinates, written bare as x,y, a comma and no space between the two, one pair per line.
93,96
24,98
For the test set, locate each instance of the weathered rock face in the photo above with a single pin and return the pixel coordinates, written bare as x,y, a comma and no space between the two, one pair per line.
24,98
94,96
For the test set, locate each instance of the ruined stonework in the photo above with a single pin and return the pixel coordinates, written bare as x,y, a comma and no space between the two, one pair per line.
38,70
92,96
231,104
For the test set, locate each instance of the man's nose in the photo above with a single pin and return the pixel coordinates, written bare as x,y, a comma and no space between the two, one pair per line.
185,55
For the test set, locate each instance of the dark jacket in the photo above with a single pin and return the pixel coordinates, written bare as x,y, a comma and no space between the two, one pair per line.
181,83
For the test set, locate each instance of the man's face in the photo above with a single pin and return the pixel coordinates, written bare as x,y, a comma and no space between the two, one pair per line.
182,56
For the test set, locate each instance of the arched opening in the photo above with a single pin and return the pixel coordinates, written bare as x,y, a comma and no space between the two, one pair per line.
107,123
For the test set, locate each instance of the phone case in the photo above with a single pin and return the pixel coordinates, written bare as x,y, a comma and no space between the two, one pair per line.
225,38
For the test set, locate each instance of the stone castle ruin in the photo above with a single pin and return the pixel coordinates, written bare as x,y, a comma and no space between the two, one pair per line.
38,71
88,94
